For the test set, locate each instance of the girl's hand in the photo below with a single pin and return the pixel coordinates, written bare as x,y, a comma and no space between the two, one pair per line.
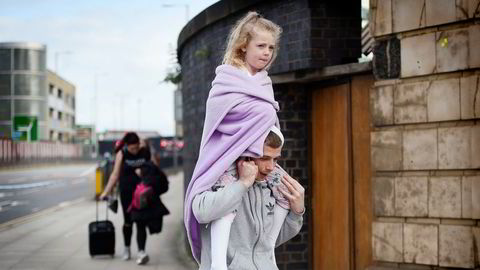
138,171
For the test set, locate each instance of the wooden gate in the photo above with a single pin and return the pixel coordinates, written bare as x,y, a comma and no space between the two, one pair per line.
341,189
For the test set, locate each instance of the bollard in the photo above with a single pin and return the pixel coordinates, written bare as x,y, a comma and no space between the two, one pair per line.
99,181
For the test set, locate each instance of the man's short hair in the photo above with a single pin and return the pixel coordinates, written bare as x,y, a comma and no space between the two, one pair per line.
273,140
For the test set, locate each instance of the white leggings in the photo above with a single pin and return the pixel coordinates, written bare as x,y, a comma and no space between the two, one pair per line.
220,234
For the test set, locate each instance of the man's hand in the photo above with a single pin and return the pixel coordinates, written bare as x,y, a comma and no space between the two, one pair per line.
295,194
247,172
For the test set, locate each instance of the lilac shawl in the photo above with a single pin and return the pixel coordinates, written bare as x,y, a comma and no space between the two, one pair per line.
240,111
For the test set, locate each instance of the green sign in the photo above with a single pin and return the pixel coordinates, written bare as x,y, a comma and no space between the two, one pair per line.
27,126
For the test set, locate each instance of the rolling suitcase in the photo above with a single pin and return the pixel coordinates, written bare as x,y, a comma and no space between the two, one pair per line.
101,236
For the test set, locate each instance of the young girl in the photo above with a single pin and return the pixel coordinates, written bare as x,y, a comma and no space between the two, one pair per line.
241,110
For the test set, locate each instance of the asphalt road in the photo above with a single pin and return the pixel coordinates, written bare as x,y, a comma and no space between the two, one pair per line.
26,191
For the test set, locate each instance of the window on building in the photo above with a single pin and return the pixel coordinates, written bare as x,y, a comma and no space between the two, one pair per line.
25,59
52,135
29,85
5,59
59,116
60,93
51,88
5,83
60,136
73,102
5,110
51,112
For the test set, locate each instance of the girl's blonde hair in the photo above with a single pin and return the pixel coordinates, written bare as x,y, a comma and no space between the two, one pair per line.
243,32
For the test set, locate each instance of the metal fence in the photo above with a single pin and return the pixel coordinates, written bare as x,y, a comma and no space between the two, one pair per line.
12,152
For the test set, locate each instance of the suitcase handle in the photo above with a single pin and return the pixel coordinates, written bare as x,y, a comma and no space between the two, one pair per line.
106,208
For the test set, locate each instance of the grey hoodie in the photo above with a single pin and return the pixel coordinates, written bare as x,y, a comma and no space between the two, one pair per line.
248,246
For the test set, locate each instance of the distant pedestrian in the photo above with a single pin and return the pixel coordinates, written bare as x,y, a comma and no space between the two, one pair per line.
129,158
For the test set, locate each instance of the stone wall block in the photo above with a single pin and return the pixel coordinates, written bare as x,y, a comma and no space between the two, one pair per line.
445,197
440,11
383,18
454,147
410,103
475,197
411,196
444,100
452,50
384,193
474,8
408,15
467,200
462,9
470,97
420,149
381,100
386,150
387,241
474,44
476,239
420,244
456,246
475,147
418,55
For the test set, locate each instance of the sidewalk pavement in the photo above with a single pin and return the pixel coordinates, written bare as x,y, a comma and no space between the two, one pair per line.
57,238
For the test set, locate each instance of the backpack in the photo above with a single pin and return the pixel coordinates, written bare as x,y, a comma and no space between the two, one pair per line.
142,197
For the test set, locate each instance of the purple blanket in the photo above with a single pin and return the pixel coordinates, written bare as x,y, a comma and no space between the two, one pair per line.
240,111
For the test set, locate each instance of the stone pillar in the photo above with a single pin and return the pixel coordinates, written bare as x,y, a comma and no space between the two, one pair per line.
425,137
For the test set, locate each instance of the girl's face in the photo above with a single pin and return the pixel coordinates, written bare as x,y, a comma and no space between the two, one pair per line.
259,51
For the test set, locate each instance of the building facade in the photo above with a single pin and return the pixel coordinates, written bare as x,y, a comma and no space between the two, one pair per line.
426,134
33,100
61,108
23,89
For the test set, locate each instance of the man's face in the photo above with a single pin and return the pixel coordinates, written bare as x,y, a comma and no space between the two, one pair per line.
266,164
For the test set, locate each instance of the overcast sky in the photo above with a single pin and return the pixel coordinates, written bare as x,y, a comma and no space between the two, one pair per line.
126,45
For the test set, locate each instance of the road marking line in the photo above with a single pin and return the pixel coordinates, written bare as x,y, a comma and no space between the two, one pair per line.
30,185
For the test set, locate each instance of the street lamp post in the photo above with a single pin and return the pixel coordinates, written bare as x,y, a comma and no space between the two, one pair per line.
95,94
187,18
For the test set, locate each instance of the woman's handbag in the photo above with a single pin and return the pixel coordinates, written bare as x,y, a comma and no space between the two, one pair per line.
113,203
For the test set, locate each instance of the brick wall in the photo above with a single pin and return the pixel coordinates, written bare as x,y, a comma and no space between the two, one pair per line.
316,34
294,122
426,134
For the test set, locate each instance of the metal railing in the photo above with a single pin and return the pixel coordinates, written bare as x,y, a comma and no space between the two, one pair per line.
13,152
